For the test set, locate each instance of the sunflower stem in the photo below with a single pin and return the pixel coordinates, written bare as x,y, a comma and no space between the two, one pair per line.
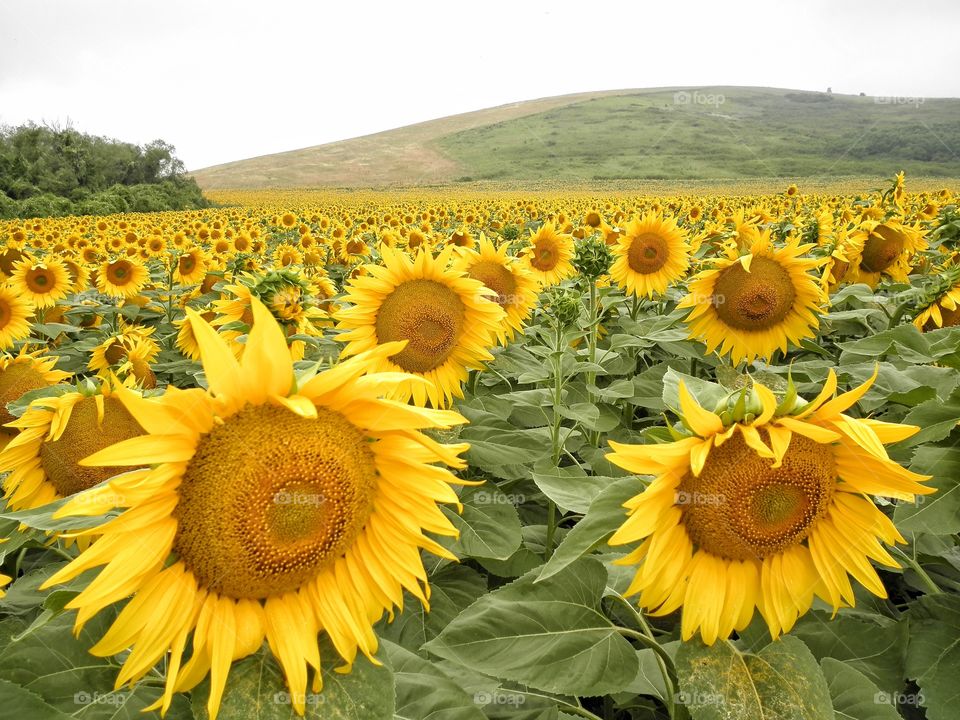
667,668
925,579
556,358
594,436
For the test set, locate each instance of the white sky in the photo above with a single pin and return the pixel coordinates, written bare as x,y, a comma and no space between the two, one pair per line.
227,80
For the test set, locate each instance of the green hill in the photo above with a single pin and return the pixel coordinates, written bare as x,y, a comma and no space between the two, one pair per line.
666,133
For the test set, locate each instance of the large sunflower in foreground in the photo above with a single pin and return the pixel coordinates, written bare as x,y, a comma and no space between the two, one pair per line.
763,513
550,255
750,305
651,254
271,511
513,284
447,319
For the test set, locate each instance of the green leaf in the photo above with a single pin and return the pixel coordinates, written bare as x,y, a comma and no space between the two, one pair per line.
605,514
549,635
452,589
18,703
424,692
875,647
491,447
939,513
782,681
57,667
489,525
854,696
933,653
935,418
257,690
569,487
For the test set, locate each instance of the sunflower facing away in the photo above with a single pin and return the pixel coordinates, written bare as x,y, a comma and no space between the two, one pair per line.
447,319
508,278
550,255
763,514
750,305
651,254
270,510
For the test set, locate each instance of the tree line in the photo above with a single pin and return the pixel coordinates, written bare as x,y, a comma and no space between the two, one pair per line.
47,171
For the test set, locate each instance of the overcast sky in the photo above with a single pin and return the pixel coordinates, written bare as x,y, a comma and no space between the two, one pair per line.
233,79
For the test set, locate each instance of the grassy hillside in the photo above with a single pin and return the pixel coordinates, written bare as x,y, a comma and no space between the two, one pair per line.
703,133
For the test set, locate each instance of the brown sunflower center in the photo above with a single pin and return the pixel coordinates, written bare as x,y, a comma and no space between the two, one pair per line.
17,379
882,249
648,253
85,435
429,315
742,508
498,278
270,499
40,280
187,264
546,254
8,258
120,272
754,300
5,313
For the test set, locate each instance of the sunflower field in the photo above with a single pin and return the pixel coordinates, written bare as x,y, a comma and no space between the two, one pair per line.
453,455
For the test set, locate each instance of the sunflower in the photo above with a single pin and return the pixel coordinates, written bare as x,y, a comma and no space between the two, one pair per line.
764,513
121,278
55,434
15,313
116,348
753,304
515,288
267,513
19,374
447,319
844,255
286,254
41,283
191,267
888,248
550,255
186,341
651,254
944,311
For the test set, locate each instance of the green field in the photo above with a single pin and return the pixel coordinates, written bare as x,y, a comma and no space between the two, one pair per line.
665,134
